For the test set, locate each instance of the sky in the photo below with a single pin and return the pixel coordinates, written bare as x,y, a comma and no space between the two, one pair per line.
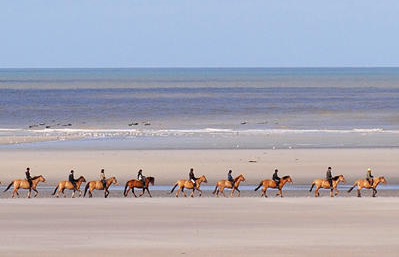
199,33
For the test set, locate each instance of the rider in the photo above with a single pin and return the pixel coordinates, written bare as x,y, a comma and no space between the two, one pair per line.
28,177
141,177
369,177
72,179
192,177
102,178
276,178
329,177
230,178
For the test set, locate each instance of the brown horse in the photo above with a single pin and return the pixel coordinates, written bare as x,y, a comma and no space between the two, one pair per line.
272,184
131,184
99,186
182,183
222,184
323,183
62,185
364,183
24,184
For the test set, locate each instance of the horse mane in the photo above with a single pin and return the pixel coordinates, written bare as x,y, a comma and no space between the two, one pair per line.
285,177
236,178
336,177
36,177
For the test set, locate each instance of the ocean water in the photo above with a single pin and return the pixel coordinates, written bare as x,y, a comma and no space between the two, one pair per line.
200,108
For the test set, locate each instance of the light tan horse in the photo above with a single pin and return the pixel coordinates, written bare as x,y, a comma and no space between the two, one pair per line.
62,185
272,184
182,183
95,184
323,183
222,184
131,184
24,184
364,183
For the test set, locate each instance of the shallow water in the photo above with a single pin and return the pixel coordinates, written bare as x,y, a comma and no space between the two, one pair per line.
249,108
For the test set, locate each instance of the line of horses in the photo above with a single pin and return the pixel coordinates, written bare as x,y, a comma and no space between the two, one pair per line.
183,184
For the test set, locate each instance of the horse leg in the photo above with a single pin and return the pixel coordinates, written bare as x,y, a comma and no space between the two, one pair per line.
142,192
332,192
73,194
29,193
281,193
316,192
36,192
374,191
232,192
149,192
239,192
222,191
13,192
200,192
358,192
336,191
134,192
178,192
192,193
90,193
184,193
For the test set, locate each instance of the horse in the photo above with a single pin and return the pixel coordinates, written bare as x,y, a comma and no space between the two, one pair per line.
131,184
24,184
62,185
272,184
99,186
323,183
222,184
182,183
364,183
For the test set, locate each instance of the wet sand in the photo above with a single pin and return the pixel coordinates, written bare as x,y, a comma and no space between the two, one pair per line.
167,166
200,227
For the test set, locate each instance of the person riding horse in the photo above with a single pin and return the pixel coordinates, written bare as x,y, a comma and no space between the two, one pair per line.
369,177
276,178
230,177
72,179
141,177
192,177
103,178
329,177
28,177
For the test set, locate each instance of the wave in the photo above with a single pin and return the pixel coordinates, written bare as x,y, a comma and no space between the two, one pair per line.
183,132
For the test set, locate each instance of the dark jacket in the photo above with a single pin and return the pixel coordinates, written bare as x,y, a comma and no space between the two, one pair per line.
28,177
328,175
191,176
71,178
276,177
230,177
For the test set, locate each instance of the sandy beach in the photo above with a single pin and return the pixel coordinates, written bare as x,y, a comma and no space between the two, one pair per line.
167,166
200,227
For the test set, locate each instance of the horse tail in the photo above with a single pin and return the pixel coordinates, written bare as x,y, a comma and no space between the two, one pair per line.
9,186
55,190
171,191
350,189
216,188
260,184
124,191
86,187
310,190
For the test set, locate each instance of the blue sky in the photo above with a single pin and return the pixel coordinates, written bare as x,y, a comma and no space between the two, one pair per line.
198,33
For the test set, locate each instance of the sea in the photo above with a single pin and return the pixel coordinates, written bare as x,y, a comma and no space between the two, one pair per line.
200,108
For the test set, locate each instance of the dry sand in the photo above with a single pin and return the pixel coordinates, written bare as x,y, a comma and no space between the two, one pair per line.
200,227
167,166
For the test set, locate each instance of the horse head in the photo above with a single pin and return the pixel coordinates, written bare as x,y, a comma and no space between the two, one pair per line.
382,180
202,179
151,180
287,179
113,180
239,178
81,179
39,178
340,178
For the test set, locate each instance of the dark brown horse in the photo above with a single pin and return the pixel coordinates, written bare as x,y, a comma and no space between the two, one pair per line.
131,184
